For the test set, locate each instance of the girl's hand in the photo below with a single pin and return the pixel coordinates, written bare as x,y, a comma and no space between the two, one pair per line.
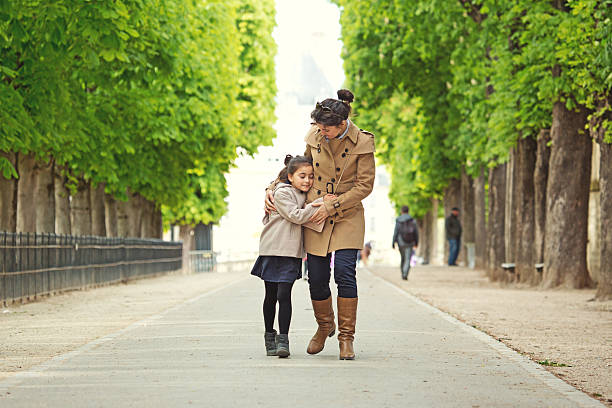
329,197
320,216
269,202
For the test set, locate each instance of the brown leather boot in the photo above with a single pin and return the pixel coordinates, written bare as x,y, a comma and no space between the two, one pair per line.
347,316
324,314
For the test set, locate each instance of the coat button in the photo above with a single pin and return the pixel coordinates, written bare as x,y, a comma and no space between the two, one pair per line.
343,154
346,150
317,164
333,180
319,178
318,150
331,221
319,192
337,168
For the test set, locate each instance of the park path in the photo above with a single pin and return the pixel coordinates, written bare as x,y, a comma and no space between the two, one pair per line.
209,352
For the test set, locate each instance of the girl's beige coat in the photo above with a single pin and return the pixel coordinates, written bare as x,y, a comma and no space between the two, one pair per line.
282,233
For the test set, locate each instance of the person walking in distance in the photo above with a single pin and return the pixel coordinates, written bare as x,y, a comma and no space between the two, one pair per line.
406,236
452,226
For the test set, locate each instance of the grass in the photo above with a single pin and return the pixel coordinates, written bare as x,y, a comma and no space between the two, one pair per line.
552,364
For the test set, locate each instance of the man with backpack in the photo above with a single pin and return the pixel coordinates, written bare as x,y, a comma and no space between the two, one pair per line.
406,236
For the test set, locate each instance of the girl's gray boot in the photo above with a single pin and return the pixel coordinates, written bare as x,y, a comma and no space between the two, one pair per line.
283,346
271,344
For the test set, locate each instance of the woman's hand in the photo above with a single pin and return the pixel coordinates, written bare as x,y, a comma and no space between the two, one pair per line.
269,202
320,215
329,197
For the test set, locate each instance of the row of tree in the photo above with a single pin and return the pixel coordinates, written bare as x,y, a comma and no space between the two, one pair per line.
113,112
494,104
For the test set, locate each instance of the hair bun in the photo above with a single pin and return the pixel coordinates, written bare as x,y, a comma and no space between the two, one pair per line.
345,95
288,159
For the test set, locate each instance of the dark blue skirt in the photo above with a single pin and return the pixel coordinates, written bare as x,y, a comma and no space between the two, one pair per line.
277,268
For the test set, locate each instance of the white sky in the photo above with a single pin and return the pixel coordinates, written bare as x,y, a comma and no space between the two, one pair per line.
303,27
308,26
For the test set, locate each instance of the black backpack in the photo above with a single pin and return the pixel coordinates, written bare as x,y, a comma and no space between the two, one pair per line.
408,231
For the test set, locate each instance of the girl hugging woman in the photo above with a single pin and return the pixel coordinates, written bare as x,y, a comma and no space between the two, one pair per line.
281,249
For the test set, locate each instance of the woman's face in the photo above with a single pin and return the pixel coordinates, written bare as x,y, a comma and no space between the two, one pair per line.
302,178
331,132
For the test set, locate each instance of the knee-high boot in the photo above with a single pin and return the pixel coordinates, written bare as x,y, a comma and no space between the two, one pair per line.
324,314
347,316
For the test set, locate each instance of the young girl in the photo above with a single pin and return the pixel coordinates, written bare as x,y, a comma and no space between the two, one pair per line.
281,249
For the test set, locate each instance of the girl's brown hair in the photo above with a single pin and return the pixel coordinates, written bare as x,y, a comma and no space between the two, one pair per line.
292,164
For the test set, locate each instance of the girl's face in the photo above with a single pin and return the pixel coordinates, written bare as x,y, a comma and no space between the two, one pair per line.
303,178
332,132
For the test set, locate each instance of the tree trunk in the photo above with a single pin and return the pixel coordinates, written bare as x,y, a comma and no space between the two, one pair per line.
604,287
62,203
510,216
567,196
80,210
480,221
45,198
8,198
146,226
110,215
467,214
135,215
434,238
186,234
158,223
26,202
98,218
594,231
496,222
452,198
525,212
123,221
426,234
540,181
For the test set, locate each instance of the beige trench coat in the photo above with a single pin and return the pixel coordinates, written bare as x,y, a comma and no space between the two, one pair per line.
282,233
345,228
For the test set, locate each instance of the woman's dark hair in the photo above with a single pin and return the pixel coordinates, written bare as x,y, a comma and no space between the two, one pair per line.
291,166
331,112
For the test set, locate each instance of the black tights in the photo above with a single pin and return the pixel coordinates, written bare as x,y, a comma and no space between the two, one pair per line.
281,292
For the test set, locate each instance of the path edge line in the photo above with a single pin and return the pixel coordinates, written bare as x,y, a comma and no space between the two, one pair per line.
535,370
37,370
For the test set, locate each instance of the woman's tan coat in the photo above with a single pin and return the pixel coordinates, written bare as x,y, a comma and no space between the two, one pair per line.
282,233
345,228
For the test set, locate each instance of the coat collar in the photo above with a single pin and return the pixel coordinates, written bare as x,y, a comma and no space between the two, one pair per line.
314,137
353,132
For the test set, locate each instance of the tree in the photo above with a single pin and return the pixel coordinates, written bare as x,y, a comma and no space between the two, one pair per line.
139,98
481,78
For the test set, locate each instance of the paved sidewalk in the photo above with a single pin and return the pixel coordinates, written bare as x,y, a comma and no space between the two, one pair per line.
209,352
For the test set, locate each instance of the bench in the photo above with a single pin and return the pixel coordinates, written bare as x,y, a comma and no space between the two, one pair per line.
509,268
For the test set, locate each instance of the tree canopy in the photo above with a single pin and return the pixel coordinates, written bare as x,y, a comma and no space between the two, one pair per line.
447,85
155,97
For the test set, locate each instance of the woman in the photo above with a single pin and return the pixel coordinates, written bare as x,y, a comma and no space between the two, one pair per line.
343,157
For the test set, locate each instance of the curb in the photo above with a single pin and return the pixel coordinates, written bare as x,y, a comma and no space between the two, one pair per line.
535,370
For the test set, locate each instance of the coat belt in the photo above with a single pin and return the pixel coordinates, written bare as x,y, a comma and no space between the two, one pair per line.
329,187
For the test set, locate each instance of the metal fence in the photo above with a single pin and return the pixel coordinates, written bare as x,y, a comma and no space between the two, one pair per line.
202,261
37,264
209,261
